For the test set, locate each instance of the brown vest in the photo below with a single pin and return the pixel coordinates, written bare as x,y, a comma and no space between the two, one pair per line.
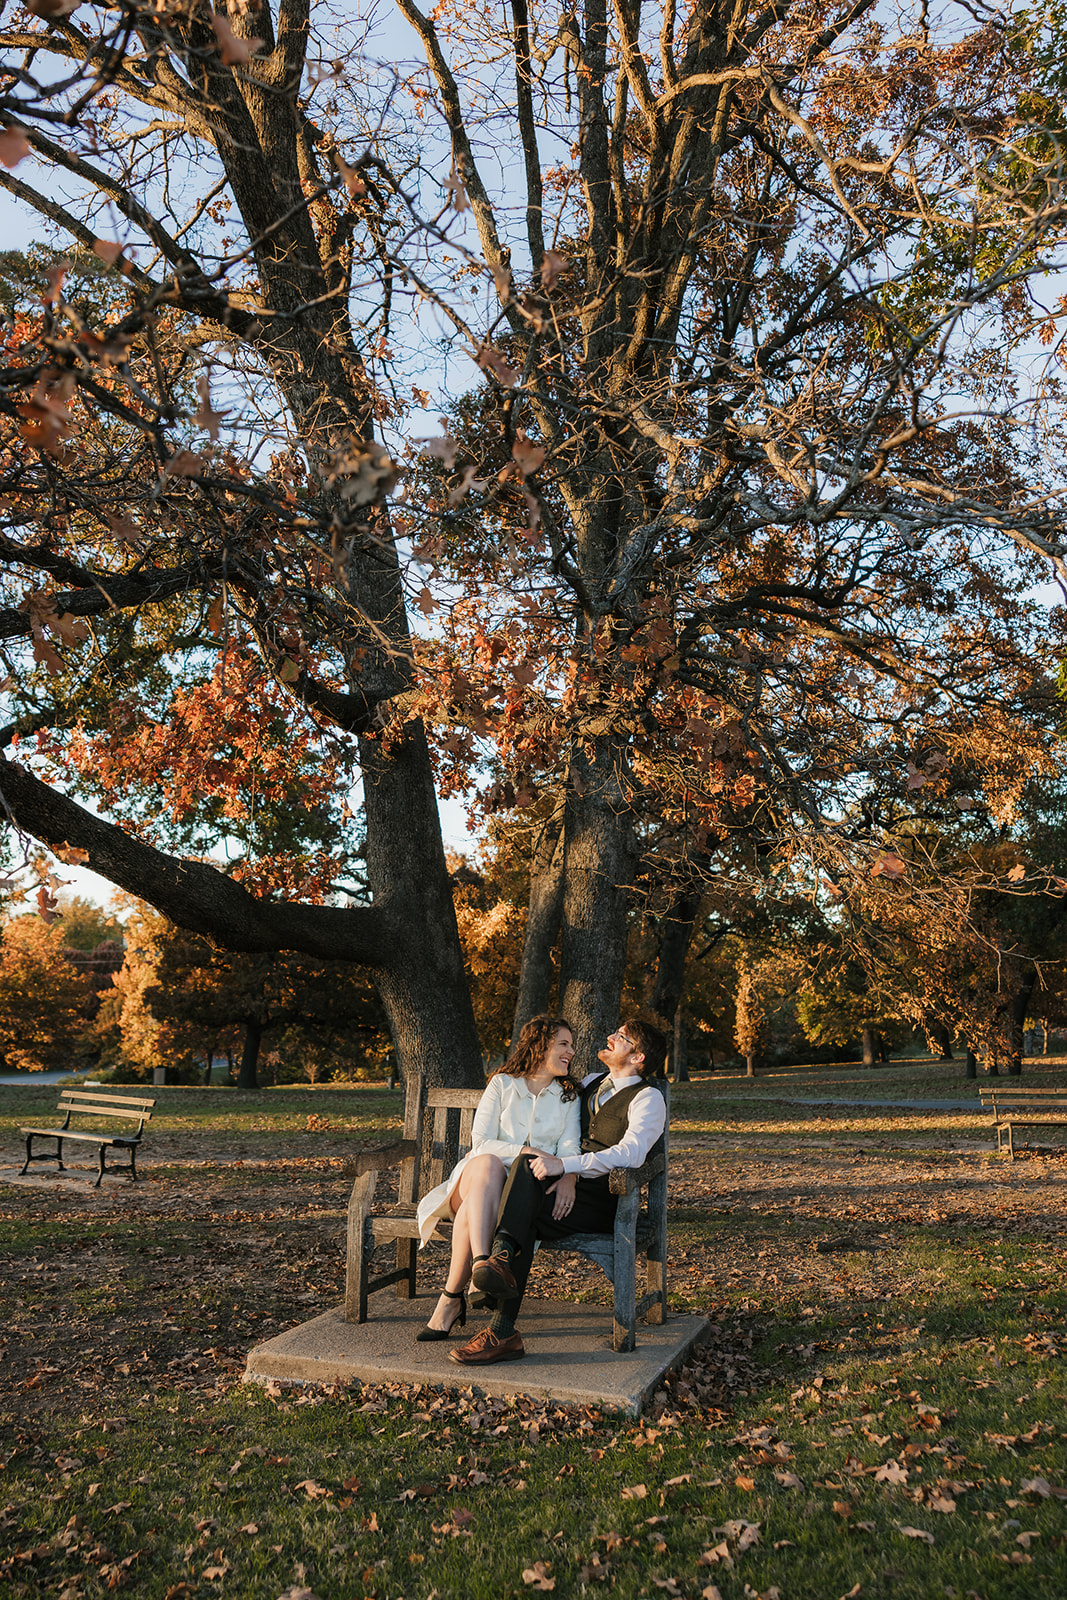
607,1126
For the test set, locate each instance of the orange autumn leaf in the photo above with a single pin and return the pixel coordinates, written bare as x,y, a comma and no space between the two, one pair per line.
235,51
14,145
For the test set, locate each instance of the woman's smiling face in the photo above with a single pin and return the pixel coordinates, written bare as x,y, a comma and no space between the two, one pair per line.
560,1052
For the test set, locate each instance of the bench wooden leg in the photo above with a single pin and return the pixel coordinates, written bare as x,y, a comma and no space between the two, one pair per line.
406,1257
624,1331
356,1244
656,1257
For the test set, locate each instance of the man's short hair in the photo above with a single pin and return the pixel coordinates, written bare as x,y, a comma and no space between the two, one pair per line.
650,1043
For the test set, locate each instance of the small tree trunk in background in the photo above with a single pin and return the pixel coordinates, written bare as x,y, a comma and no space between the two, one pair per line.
680,1063
543,920
247,1078
992,1069
868,1045
675,936
748,1017
1019,1008
944,1039
972,1064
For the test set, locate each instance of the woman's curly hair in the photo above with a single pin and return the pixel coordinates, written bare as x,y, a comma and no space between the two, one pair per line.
533,1046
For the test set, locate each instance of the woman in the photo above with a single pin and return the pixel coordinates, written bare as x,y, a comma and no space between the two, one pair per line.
529,1105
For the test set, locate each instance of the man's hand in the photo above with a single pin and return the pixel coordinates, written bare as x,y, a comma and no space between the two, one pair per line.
563,1190
546,1166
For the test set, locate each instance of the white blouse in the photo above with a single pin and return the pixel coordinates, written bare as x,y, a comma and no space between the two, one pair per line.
508,1118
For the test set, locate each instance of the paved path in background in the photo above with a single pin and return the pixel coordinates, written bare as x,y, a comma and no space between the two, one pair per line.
893,1105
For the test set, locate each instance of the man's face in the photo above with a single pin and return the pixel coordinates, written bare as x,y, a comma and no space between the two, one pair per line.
621,1056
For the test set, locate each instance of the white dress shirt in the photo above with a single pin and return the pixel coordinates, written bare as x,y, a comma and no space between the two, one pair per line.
509,1117
647,1118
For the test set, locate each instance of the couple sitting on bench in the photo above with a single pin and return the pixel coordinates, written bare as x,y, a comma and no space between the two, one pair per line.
541,1155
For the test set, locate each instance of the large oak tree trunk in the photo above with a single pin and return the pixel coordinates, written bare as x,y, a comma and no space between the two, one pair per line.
423,985
247,1078
598,877
543,920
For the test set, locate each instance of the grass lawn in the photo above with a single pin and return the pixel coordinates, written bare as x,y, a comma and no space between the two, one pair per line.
879,1409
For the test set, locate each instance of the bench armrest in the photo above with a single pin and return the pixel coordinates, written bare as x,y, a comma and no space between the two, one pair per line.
624,1180
390,1155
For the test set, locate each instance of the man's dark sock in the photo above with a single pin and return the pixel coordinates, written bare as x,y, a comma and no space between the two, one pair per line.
505,1248
501,1325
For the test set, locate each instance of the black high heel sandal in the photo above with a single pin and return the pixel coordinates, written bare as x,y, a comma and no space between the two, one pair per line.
430,1335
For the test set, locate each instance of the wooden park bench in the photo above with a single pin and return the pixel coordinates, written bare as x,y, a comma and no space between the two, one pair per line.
423,1149
96,1103
1017,1107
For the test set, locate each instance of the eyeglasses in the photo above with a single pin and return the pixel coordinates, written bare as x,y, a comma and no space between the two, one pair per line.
622,1038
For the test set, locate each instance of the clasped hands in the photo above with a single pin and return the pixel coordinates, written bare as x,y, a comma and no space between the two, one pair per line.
545,1166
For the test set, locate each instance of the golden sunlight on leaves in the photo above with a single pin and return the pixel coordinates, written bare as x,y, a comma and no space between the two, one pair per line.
888,866
47,421
71,855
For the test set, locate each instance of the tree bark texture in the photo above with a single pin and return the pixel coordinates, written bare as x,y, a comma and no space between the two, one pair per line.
1019,1006
598,879
675,934
248,1077
543,920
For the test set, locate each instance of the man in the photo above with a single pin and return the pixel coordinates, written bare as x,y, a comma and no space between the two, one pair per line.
622,1121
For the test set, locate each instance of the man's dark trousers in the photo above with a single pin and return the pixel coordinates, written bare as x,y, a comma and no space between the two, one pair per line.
526,1214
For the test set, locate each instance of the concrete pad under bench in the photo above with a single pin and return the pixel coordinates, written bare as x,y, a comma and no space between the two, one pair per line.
568,1353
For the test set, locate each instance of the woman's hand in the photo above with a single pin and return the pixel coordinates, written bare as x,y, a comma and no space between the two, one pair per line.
563,1192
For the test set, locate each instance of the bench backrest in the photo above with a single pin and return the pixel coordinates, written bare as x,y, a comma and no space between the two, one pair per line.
100,1103
426,1124
995,1092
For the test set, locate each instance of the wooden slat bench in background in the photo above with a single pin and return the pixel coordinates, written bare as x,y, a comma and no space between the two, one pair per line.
1020,1107
423,1145
95,1103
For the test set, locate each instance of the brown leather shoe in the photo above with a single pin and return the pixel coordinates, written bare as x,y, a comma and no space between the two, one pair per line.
485,1348
494,1276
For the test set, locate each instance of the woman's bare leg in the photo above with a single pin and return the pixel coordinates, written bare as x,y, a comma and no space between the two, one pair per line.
475,1202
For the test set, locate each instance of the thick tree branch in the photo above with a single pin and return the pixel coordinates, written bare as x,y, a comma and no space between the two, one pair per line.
191,894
